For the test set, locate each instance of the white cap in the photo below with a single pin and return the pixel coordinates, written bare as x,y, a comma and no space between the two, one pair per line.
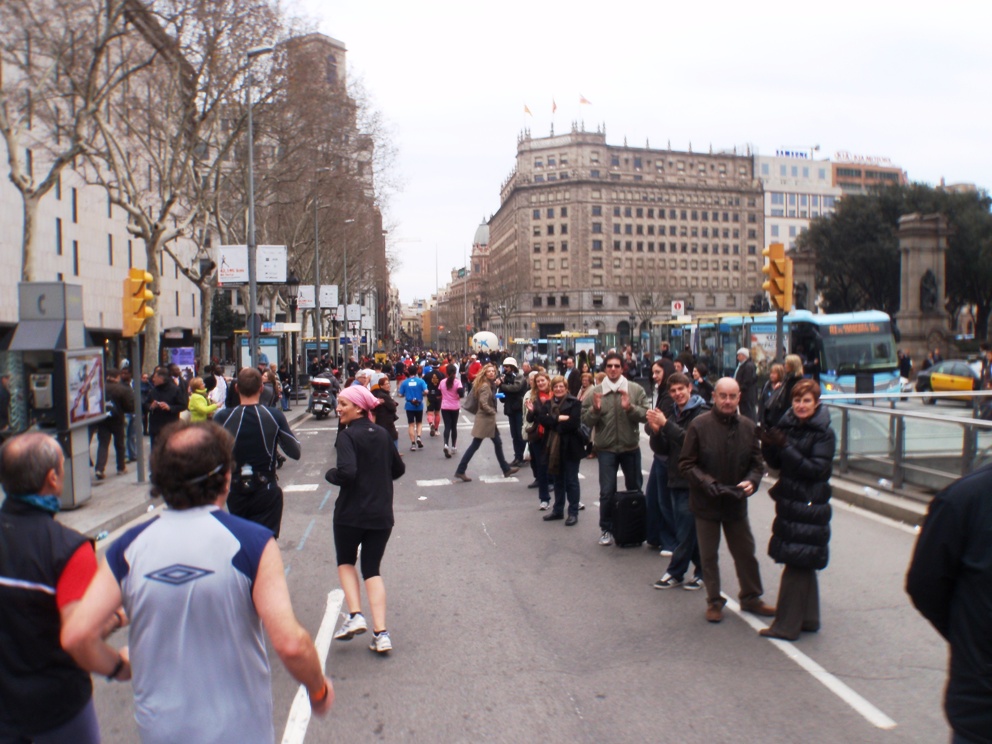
743,350
509,362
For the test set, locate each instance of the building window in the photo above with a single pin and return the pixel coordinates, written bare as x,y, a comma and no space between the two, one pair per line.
537,264
537,231
552,300
536,214
551,213
551,264
597,245
75,258
774,231
597,227
597,211
110,250
594,174
75,206
564,212
597,281
564,300
623,301
563,230
130,255
564,246
537,247
597,262
616,245
58,236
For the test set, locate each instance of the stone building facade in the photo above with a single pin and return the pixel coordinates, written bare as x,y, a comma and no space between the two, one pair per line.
591,236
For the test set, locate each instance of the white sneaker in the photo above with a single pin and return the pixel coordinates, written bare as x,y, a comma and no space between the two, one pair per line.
606,539
665,553
545,505
380,642
351,627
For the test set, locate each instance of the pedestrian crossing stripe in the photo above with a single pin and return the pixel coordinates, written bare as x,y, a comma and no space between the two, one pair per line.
434,482
300,487
498,479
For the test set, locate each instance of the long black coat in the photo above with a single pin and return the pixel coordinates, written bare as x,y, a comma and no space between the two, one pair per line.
801,530
572,447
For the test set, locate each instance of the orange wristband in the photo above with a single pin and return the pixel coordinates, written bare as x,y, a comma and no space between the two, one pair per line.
319,697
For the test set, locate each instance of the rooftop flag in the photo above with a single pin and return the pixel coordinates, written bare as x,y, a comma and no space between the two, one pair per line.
583,99
527,110
554,106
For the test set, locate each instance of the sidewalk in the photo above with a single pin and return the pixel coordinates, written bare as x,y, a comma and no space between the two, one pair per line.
120,499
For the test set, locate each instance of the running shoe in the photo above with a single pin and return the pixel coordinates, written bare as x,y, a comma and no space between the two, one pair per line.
380,642
354,625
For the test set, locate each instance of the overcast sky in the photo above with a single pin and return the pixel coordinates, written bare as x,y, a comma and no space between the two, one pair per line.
904,80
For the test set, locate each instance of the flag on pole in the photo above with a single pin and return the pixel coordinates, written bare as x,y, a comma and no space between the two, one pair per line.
554,106
527,110
583,99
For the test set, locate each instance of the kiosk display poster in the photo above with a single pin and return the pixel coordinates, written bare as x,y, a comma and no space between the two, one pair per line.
84,386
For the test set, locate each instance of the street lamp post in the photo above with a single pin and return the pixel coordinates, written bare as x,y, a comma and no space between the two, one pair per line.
292,289
344,248
632,318
253,328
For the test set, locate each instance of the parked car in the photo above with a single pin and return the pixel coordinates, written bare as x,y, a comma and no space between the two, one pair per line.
948,376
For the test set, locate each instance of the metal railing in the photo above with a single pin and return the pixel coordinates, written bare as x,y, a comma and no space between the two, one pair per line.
909,447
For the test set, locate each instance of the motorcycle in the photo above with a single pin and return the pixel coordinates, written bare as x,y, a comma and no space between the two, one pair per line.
323,399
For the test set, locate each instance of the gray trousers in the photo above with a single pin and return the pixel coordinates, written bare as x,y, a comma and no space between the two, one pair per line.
740,541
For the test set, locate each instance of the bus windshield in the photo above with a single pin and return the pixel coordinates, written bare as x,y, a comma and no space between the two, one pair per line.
849,347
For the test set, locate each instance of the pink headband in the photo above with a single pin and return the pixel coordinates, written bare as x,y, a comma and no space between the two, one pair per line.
360,396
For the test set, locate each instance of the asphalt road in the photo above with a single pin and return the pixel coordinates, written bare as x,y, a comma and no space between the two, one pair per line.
509,629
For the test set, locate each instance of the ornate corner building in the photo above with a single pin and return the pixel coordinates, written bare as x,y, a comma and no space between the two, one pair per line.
597,237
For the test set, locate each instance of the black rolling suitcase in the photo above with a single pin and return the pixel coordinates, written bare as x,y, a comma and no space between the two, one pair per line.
629,519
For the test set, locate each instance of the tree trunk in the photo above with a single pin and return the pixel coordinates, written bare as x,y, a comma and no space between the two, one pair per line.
30,214
206,318
152,342
982,321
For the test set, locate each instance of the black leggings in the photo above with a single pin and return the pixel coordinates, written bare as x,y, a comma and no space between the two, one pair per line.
373,542
450,419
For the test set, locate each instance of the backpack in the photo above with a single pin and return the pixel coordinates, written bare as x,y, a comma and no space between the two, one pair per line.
471,403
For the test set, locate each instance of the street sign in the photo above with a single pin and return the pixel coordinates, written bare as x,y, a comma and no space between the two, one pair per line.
354,313
328,295
678,307
305,297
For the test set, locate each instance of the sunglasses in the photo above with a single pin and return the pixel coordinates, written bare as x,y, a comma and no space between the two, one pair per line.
613,366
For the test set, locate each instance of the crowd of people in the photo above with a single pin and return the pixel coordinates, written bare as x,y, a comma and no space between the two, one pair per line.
200,581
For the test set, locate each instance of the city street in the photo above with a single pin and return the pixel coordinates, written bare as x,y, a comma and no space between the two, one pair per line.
510,629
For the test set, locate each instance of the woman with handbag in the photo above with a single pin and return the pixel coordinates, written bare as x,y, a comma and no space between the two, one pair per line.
561,416
484,427
802,447
540,393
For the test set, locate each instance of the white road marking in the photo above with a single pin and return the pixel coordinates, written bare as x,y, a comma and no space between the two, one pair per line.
324,502
301,487
434,482
861,706
486,530
316,429
498,479
299,713
421,498
306,534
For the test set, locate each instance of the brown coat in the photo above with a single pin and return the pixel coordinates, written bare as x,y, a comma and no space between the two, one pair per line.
723,450
485,419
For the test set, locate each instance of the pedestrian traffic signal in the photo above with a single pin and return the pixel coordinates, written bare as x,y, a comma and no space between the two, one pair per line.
779,282
137,295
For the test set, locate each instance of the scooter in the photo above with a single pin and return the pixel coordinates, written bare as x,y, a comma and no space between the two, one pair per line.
323,400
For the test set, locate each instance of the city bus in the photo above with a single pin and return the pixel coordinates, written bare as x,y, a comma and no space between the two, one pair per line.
853,352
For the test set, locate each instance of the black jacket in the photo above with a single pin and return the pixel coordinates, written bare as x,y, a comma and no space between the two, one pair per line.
950,582
513,387
385,413
41,687
120,400
366,496
801,530
673,432
571,447
168,392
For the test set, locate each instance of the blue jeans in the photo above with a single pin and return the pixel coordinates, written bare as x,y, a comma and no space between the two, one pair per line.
285,401
660,517
131,436
472,448
685,531
539,464
567,485
516,421
630,463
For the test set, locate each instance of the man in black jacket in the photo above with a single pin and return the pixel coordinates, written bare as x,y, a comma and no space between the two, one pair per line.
950,582
119,403
513,386
747,380
164,403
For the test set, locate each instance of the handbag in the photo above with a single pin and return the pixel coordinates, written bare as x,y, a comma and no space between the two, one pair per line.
471,403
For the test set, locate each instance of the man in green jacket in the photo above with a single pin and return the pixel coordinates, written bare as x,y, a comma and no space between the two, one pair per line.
615,409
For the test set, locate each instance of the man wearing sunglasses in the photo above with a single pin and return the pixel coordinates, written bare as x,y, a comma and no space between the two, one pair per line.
615,409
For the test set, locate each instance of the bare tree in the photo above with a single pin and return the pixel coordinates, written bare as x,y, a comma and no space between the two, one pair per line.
502,290
62,62
166,136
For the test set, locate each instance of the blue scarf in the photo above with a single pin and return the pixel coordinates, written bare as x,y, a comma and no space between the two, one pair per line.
49,504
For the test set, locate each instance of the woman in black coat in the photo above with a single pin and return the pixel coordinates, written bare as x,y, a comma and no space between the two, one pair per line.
564,449
802,447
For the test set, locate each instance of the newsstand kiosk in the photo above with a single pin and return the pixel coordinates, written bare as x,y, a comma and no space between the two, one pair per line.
64,377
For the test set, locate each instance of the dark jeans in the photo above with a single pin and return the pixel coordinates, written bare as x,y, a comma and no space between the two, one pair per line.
450,419
630,463
262,506
516,421
104,433
660,517
131,436
539,465
567,485
687,548
472,448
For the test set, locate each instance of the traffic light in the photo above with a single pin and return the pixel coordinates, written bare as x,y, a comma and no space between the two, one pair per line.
779,282
137,295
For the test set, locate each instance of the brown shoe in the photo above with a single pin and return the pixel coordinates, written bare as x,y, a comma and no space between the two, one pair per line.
714,614
760,608
462,477
769,633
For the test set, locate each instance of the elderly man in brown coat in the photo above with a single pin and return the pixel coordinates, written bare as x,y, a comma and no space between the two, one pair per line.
721,459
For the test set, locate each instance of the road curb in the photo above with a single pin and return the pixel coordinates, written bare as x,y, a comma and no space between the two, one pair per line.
889,505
